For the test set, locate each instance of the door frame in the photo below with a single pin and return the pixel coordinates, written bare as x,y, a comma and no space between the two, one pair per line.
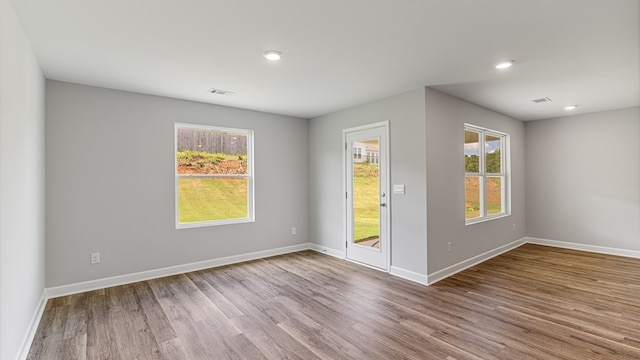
345,167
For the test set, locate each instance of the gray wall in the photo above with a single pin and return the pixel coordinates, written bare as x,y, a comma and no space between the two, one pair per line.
110,183
427,134
583,179
405,113
445,118
22,276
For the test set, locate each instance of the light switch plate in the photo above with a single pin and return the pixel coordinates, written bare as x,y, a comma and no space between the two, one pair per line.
398,189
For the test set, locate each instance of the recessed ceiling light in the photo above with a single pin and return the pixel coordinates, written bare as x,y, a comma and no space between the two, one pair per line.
570,107
273,55
504,64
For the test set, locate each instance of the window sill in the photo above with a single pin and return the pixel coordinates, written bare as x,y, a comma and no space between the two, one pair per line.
486,218
213,223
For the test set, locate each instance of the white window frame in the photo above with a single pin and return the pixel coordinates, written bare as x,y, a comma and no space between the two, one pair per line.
505,167
357,153
249,176
372,157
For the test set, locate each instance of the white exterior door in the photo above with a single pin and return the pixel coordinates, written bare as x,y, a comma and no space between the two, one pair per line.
367,195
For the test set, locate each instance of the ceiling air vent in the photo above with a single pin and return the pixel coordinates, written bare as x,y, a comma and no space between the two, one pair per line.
541,100
221,92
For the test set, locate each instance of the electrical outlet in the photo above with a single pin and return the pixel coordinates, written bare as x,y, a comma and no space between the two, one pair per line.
514,227
95,258
449,246
293,231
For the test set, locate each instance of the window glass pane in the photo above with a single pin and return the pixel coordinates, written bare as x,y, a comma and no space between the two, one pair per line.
472,197
494,195
204,151
471,151
485,173
366,196
208,199
493,160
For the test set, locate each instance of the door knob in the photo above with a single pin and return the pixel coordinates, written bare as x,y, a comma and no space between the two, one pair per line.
383,204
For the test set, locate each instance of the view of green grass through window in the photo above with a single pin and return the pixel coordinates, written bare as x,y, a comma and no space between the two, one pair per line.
366,194
484,173
213,172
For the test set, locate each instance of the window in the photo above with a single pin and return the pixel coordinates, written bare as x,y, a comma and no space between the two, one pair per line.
486,174
372,158
214,175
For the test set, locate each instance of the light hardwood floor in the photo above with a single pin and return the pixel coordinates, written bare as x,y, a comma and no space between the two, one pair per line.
533,302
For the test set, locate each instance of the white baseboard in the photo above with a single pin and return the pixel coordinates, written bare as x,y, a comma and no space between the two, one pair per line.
76,288
329,251
58,291
33,327
584,247
463,265
408,275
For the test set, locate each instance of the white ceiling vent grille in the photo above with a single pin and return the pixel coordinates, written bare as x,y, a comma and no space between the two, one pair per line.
221,92
541,100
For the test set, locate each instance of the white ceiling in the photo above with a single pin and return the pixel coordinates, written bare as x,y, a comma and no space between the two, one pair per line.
340,53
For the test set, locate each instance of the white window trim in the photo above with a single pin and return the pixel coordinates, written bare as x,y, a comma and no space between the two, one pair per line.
505,150
250,176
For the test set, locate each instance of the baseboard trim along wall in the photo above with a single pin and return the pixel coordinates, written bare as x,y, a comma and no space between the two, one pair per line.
64,290
328,251
584,247
33,327
428,279
456,268
408,275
